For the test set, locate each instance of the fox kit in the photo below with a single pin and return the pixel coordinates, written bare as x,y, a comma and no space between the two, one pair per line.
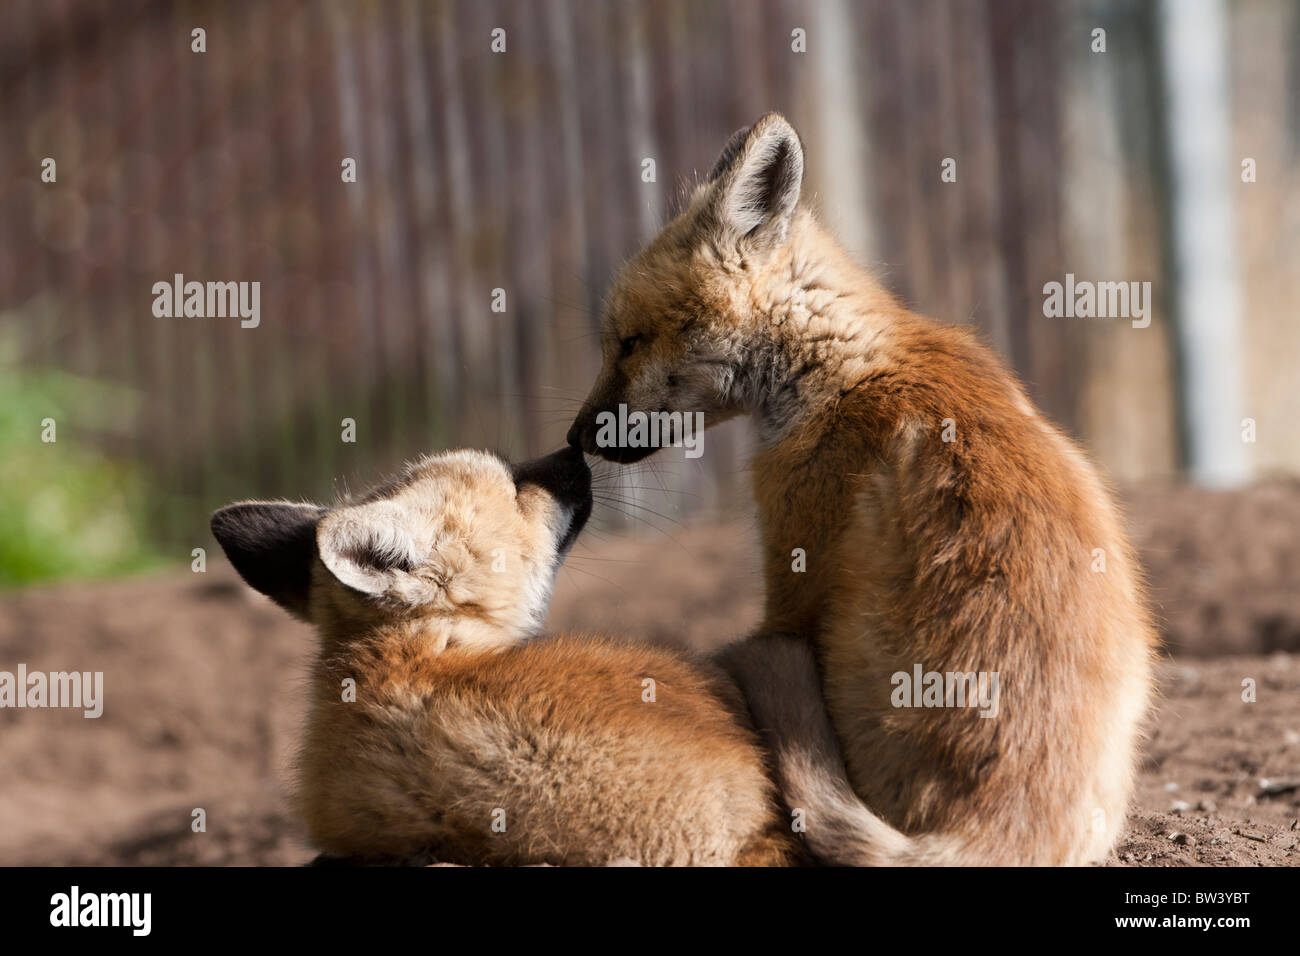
440,729
954,540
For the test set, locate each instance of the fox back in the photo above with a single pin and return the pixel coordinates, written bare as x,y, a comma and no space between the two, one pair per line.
443,727
918,516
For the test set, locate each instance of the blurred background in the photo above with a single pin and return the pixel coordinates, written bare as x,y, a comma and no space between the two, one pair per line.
523,171
500,151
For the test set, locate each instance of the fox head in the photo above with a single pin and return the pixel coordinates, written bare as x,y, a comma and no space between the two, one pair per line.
462,544
677,334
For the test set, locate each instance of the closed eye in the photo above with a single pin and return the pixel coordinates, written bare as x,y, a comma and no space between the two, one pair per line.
627,345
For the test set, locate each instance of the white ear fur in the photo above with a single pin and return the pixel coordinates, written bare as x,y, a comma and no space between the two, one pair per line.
366,548
759,183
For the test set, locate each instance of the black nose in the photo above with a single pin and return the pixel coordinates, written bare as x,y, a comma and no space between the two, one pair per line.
582,434
563,473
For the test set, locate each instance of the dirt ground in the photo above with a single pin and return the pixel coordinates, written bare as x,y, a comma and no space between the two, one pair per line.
204,690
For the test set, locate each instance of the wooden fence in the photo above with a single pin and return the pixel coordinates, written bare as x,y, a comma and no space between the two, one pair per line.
522,171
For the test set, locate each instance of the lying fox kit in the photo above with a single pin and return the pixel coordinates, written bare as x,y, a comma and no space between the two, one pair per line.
441,729
918,517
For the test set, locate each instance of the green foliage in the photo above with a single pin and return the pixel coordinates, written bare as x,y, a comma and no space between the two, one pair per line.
66,510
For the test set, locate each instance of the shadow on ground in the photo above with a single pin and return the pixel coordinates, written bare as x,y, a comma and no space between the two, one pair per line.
205,690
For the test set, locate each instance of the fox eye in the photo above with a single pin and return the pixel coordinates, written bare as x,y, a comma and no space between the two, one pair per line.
625,346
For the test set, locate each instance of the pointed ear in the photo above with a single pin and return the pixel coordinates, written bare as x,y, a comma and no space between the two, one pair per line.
757,181
366,548
272,545
729,152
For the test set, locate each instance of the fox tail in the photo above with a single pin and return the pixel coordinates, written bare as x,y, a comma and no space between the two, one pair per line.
778,676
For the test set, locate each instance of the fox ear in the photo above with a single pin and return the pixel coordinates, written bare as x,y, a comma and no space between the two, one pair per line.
729,152
757,180
367,549
272,545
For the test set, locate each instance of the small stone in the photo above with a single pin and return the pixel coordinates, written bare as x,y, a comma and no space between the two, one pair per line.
1179,806
1206,806
1274,788
1183,839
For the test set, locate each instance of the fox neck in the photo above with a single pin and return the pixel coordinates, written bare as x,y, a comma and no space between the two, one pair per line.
431,635
817,324
821,327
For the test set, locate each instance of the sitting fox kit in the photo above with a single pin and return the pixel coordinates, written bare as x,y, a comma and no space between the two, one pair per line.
441,726
947,529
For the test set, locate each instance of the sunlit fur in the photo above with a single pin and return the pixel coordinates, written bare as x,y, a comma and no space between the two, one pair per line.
428,594
449,518
975,554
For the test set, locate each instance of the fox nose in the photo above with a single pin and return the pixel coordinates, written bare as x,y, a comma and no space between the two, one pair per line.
582,434
563,473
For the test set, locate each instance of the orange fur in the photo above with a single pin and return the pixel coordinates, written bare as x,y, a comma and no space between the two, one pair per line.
443,727
964,555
